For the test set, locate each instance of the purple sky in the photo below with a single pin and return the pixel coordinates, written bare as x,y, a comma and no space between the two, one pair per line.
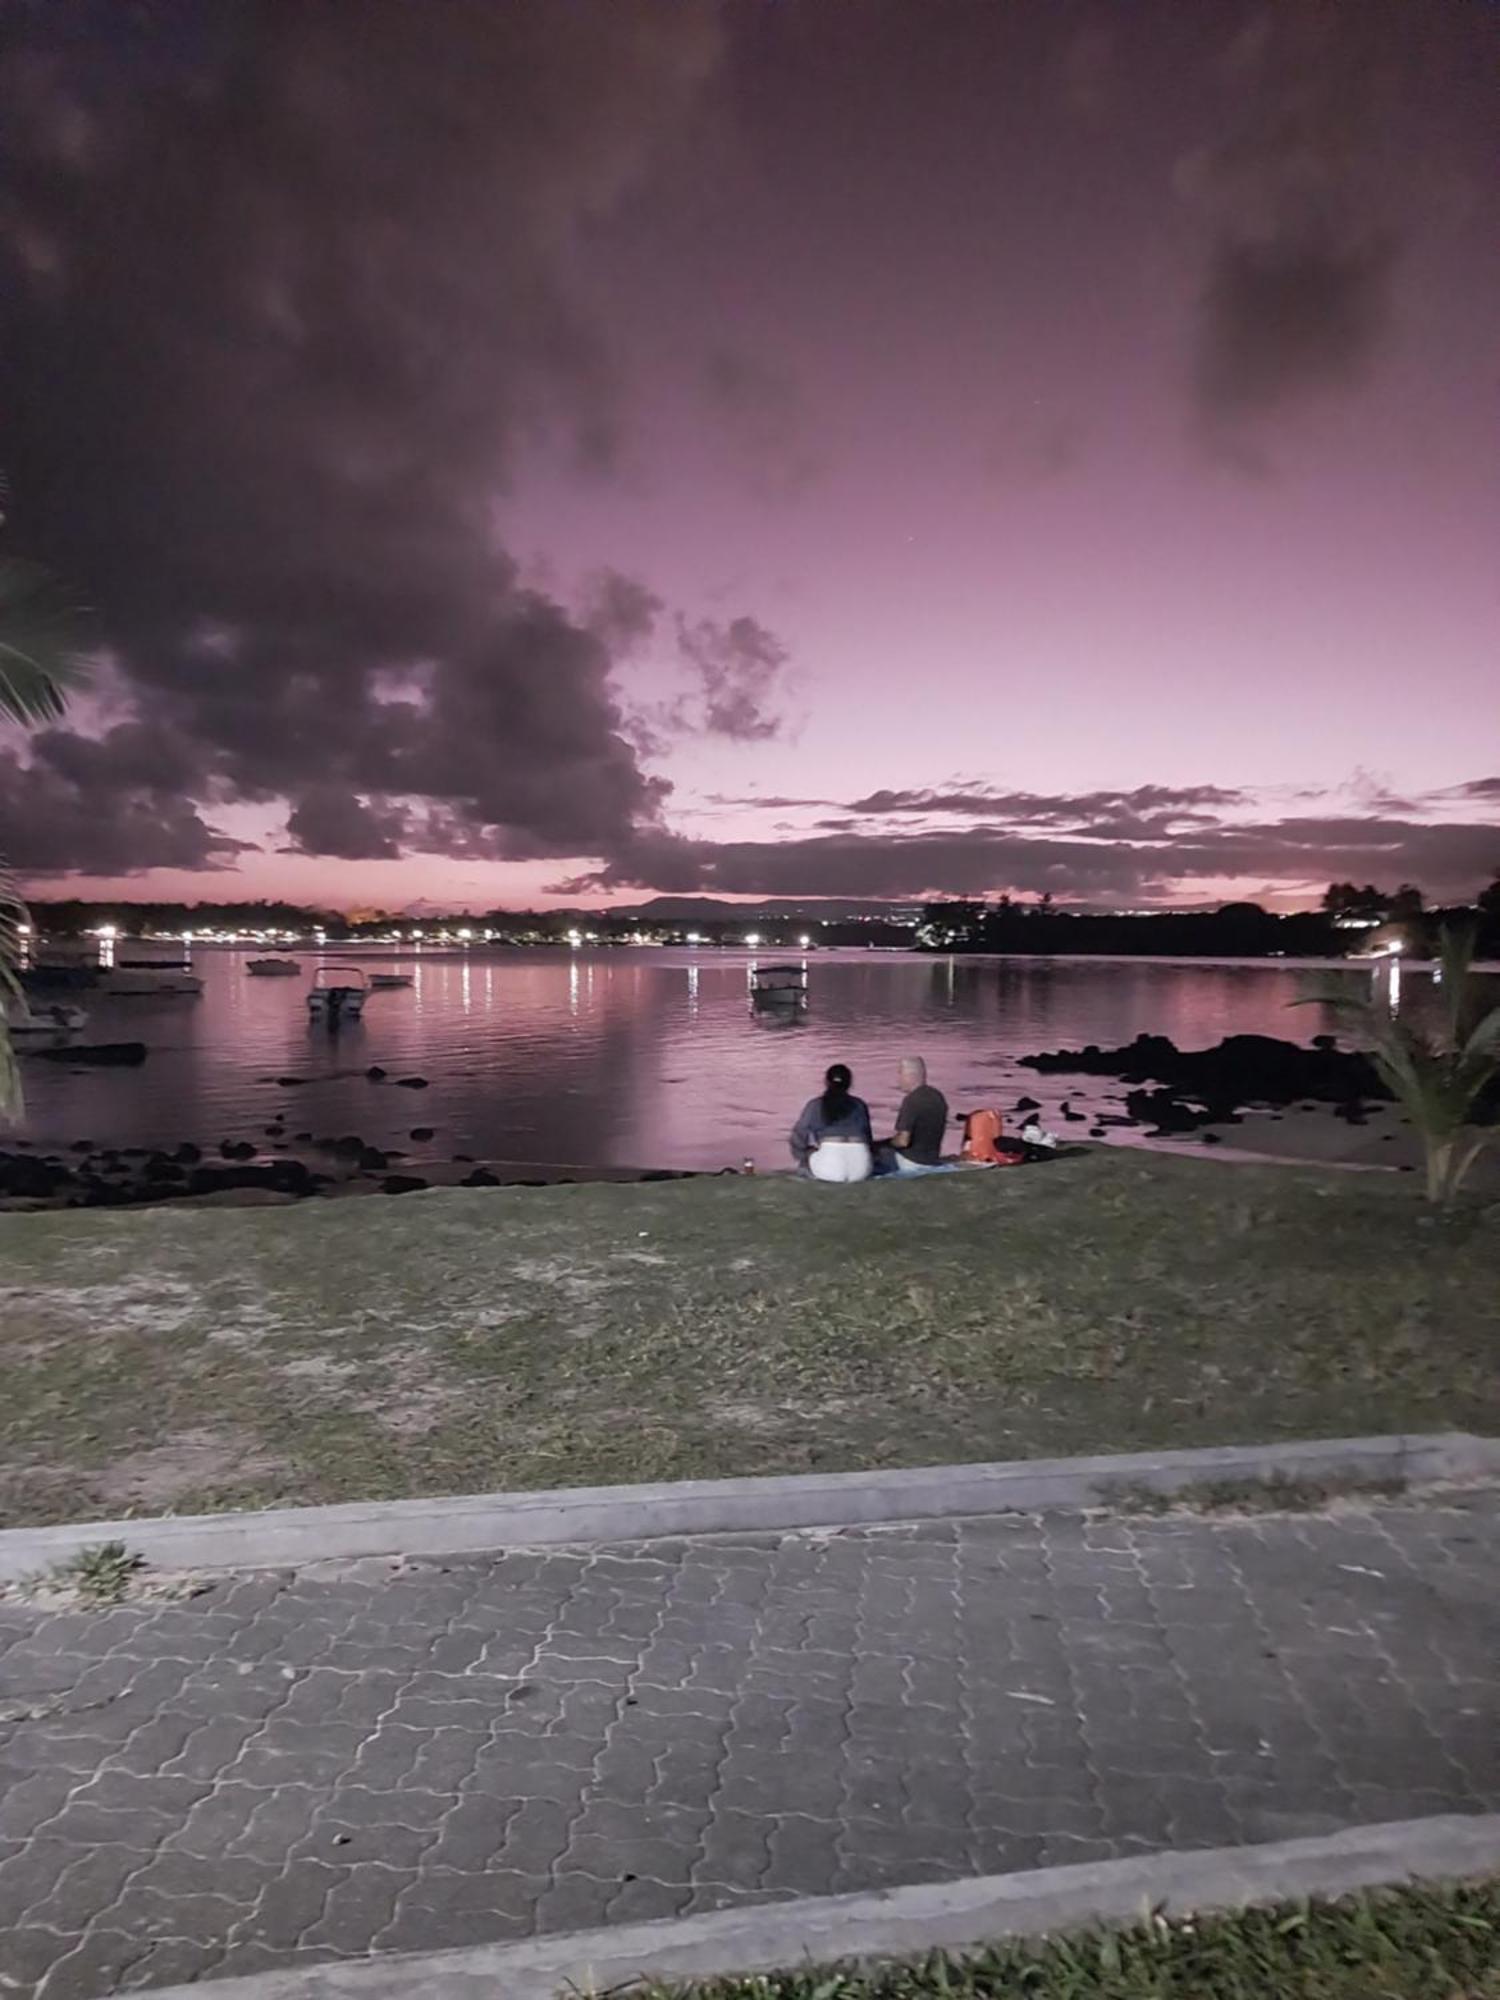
848,447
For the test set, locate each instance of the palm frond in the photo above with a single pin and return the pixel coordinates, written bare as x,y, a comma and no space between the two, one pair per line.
41,626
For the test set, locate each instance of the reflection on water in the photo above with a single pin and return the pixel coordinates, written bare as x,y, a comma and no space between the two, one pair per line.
643,1058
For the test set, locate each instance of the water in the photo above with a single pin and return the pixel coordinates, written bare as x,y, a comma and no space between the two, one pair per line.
635,1057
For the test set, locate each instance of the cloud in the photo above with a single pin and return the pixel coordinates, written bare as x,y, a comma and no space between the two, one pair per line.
760,406
328,821
1450,861
1297,202
739,668
108,807
279,300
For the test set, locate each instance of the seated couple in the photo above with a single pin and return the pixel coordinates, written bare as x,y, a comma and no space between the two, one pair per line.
833,1139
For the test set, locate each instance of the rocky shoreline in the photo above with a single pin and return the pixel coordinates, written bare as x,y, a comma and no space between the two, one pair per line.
1173,1093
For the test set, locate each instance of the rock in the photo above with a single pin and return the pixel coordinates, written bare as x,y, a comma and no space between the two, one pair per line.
1211,1138
420,1132
82,1146
187,1154
236,1149
349,1147
481,1177
291,1082
372,1160
1073,1117
403,1184
411,1083
463,1159
161,1170
32,1179
274,1131
1098,1131
376,1074
1026,1104
302,1138
287,1177
1165,1112
97,1055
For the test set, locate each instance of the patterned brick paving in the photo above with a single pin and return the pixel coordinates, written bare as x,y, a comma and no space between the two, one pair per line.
293,1767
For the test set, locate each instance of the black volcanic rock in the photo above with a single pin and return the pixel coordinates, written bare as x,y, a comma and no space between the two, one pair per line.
411,1083
236,1149
32,1180
1240,1070
481,1177
1026,1103
403,1184
420,1132
376,1074
187,1154
372,1160
284,1176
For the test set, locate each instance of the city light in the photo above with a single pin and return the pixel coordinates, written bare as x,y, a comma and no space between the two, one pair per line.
694,937
804,941
752,938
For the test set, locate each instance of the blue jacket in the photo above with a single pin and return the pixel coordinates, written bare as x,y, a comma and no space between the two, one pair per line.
812,1127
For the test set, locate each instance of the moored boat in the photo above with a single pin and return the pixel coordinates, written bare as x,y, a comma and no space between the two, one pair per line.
273,968
338,993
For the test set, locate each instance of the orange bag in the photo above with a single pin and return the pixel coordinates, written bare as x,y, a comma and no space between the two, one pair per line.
983,1131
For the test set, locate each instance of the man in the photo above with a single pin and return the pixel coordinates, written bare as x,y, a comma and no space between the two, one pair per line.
917,1143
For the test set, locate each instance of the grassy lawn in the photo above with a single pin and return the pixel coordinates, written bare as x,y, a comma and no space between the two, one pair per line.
465,1341
1407,1944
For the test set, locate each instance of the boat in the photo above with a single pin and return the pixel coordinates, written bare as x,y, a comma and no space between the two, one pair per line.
274,968
385,982
148,982
338,993
782,988
56,1018
149,974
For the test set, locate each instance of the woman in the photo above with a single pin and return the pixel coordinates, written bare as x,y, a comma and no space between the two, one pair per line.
832,1139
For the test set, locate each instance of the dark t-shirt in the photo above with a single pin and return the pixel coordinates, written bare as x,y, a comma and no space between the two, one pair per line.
924,1114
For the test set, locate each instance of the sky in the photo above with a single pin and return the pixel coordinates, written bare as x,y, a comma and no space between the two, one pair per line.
575,450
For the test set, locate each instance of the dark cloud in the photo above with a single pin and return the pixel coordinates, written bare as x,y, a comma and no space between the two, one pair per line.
759,405
1451,862
1298,199
1134,814
112,807
328,821
739,666
279,298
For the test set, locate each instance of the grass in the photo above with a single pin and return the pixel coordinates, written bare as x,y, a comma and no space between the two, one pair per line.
179,1359
1440,1943
101,1574
1277,1494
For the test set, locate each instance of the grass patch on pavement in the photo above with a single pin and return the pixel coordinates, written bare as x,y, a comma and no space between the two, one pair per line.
1439,1943
463,1341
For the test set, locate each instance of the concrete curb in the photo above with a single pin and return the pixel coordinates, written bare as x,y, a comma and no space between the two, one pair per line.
898,1922
291,1536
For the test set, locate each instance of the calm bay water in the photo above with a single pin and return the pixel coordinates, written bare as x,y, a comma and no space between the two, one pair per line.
635,1057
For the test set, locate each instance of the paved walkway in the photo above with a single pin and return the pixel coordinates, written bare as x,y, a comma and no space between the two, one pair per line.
288,1768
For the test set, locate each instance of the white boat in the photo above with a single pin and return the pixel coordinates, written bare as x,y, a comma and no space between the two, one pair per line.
779,987
385,982
338,994
274,968
21,1018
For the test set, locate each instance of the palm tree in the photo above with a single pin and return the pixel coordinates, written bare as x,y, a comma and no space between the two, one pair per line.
39,663
1437,1075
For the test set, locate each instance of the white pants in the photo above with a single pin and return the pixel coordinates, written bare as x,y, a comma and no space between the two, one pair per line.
841,1160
